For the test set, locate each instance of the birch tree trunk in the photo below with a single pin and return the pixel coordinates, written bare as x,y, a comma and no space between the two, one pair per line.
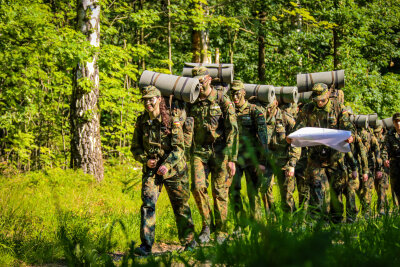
85,118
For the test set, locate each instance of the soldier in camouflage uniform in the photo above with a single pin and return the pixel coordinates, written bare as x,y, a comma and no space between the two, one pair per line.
158,144
391,155
382,174
358,156
214,149
325,166
253,150
284,157
374,163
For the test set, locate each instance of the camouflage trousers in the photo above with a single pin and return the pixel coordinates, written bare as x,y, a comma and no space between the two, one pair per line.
205,160
395,179
365,193
286,186
253,181
178,192
328,184
353,186
303,184
381,187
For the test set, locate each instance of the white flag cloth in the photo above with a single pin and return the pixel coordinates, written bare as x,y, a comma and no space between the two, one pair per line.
313,136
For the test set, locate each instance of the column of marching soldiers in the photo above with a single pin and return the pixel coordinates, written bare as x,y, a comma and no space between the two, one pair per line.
225,135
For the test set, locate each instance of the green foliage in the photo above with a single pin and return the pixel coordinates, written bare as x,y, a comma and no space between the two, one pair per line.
40,49
64,217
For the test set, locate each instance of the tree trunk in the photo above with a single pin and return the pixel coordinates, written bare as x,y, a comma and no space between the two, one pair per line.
217,55
196,48
261,47
85,118
204,47
335,38
299,30
169,38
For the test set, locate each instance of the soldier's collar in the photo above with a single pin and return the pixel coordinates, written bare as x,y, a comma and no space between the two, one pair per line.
149,121
243,107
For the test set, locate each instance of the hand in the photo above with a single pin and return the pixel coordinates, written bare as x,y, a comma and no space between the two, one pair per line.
151,163
162,170
387,163
365,177
378,175
261,168
289,172
354,174
288,140
231,168
350,140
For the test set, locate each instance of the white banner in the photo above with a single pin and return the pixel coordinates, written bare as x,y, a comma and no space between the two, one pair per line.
313,136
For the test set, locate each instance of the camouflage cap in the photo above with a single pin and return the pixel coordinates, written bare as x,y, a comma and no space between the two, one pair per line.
237,85
396,116
320,91
150,91
377,128
199,72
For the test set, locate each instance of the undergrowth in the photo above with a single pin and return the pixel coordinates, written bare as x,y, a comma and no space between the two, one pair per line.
63,216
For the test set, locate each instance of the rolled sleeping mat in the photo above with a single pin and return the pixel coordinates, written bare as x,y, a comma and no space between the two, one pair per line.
183,88
306,81
222,72
286,94
264,93
387,123
360,120
305,97
372,119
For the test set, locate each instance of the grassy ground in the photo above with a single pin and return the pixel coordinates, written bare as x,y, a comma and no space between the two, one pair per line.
64,216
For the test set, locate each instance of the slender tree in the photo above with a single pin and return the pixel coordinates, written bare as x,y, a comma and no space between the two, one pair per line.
85,119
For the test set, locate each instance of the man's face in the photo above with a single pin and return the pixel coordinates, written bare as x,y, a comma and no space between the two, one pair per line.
151,104
237,96
322,103
396,124
272,106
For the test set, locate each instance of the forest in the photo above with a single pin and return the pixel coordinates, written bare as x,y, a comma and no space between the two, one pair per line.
269,42
51,213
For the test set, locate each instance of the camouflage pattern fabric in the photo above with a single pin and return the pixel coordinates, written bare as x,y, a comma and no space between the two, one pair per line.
353,184
150,141
371,146
326,166
215,143
382,185
392,153
252,152
303,184
279,124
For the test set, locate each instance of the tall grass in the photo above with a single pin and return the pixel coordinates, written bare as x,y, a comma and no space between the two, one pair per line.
63,216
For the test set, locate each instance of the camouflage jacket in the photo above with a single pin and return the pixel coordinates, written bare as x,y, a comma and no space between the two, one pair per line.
333,116
253,134
278,127
360,153
351,161
372,148
392,146
150,141
214,123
